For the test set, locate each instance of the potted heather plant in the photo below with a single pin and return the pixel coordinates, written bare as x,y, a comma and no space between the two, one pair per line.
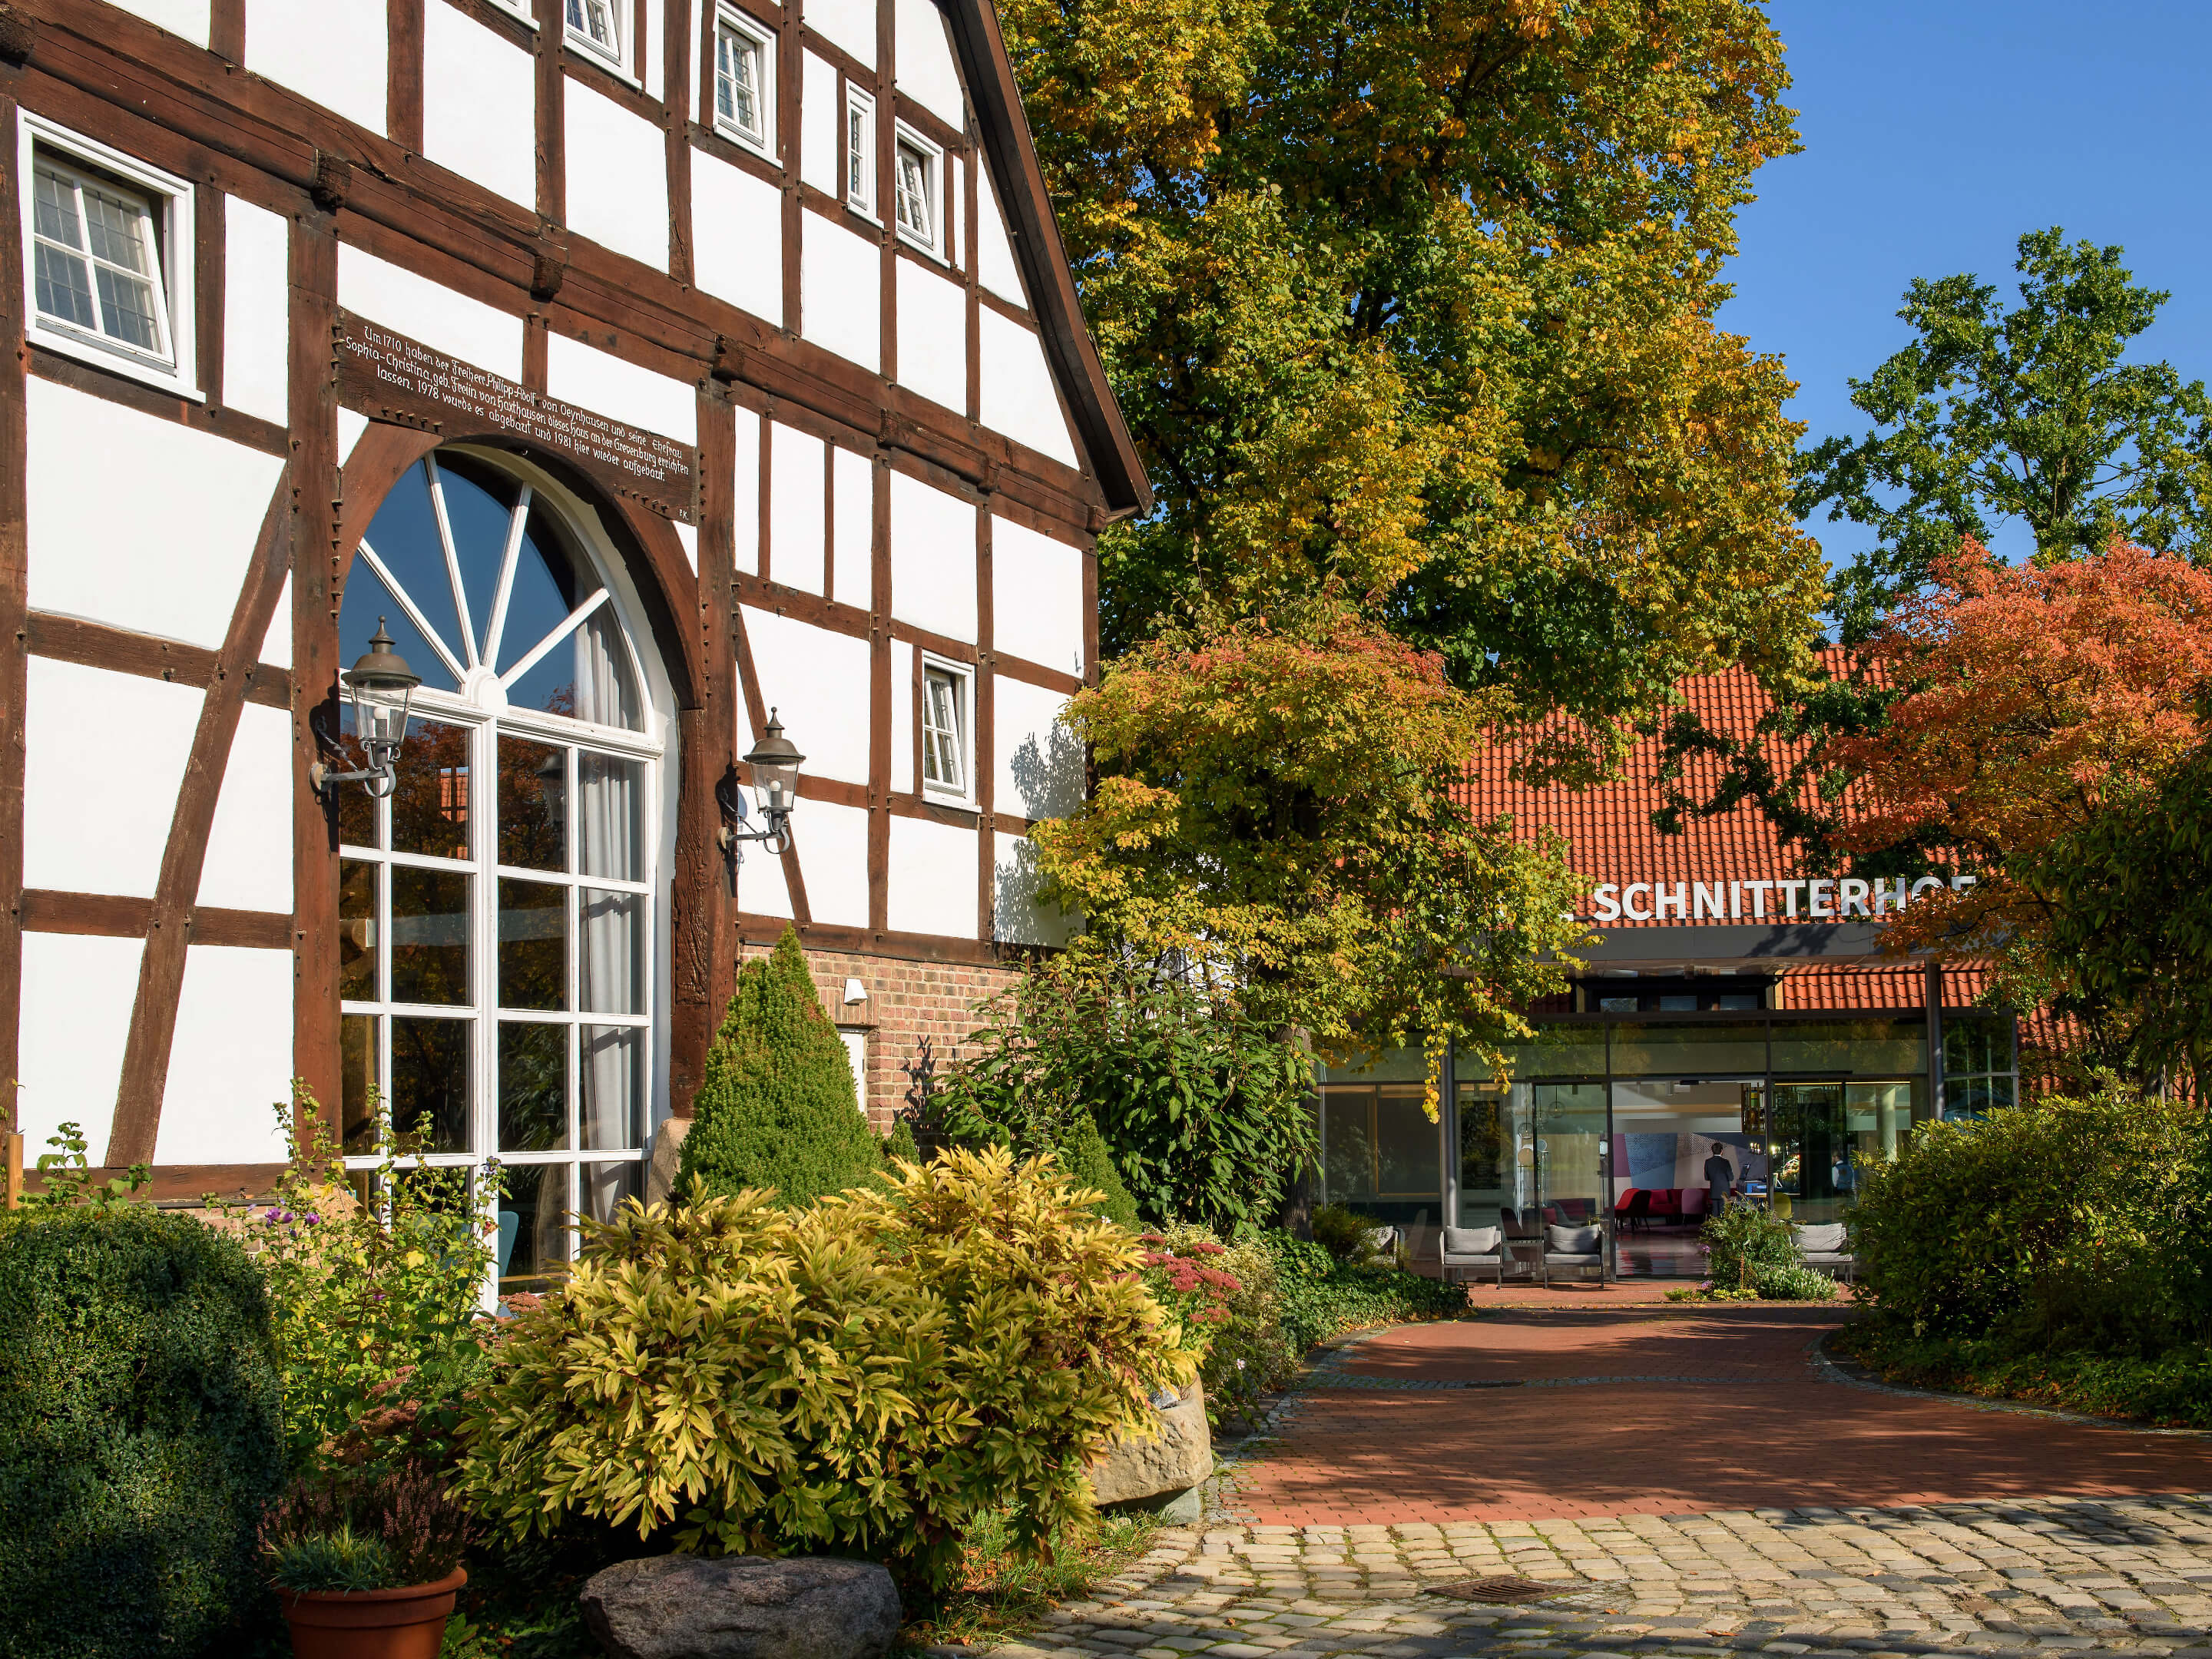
366,1566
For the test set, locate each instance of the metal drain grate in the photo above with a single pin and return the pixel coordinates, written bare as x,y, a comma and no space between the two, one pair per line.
1500,1590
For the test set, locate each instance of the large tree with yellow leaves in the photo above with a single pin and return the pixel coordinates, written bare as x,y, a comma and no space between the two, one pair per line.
1411,308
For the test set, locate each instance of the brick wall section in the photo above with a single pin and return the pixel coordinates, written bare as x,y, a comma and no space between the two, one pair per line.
917,1015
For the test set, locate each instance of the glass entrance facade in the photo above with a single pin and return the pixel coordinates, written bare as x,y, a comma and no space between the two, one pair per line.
1642,1117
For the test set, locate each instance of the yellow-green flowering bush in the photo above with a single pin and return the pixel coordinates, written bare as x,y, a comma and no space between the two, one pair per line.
867,1375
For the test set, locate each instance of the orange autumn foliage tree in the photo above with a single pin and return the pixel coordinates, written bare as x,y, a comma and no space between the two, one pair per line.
2043,701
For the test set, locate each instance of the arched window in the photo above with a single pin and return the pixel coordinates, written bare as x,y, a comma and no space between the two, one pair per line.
497,961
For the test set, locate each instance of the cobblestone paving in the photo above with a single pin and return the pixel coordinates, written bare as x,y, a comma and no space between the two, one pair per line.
2132,1574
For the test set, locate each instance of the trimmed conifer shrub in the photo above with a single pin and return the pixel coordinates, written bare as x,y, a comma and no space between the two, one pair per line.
900,1144
140,1434
775,1108
1083,1150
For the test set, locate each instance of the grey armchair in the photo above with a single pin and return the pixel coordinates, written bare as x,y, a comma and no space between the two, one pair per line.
1825,1245
1474,1247
1573,1246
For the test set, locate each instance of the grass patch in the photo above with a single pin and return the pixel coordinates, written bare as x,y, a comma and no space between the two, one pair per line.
2171,1390
1001,1595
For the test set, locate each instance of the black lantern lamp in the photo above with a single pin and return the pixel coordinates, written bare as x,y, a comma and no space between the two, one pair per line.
776,761
380,686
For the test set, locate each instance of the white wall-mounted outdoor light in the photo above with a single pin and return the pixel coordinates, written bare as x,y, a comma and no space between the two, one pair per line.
380,686
776,762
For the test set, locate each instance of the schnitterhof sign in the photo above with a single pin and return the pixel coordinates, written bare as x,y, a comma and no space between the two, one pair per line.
1817,898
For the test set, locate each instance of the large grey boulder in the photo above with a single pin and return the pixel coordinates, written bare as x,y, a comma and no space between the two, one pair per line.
1160,1474
667,1156
743,1606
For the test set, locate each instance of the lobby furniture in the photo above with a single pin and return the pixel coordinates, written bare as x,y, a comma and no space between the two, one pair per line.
1634,1210
1474,1247
1573,1246
1825,1245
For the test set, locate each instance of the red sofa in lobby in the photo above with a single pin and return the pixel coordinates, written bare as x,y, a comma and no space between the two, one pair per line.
1669,1206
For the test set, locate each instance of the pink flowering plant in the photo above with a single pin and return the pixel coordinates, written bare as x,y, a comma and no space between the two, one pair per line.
374,1277
1225,1295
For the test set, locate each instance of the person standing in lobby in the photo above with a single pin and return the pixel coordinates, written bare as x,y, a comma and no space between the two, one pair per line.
1720,1177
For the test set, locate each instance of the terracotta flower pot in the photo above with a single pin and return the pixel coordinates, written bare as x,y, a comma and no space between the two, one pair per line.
386,1623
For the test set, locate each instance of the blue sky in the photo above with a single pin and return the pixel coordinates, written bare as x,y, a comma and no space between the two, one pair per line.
1935,134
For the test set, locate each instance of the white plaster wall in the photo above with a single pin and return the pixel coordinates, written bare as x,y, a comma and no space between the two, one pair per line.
257,296
276,643
178,574
796,494
821,150
932,879
932,559
436,315
1036,597
350,427
104,754
932,334
737,237
78,993
604,383
230,1061
1017,916
761,889
924,55
652,60
820,681
853,484
330,50
1018,399
1039,765
479,104
688,536
187,17
833,857
994,255
745,500
248,864
903,756
850,23
840,285
618,177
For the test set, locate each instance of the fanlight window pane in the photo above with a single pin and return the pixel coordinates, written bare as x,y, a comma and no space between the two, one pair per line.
479,509
403,538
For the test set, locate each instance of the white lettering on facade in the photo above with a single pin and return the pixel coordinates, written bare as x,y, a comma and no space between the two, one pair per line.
1674,894
1628,901
1608,906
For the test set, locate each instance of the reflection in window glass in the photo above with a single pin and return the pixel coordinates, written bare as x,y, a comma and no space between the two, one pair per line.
356,931
533,945
611,817
430,1083
533,805
612,1073
1409,1152
533,1087
429,935
605,1186
1974,1044
404,537
356,807
613,965
534,1226
357,1091
479,506
1348,1143
430,806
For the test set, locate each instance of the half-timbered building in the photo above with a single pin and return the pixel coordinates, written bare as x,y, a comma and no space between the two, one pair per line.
644,369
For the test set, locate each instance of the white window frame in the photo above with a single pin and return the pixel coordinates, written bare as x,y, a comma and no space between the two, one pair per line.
170,202
862,202
730,21
962,675
621,61
518,9
932,183
855,1039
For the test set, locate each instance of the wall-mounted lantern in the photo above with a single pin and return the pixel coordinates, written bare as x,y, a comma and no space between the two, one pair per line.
776,762
379,686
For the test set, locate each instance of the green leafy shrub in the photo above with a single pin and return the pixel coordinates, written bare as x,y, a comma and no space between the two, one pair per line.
1793,1282
1321,1297
1247,1352
775,1108
2057,1222
1742,1241
140,1433
900,1144
866,1375
2173,1390
1202,1107
1346,1234
375,1315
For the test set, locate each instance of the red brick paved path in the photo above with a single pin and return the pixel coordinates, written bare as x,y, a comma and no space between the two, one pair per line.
1757,1426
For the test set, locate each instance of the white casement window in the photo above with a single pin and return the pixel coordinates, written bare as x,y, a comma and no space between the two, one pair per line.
499,970
595,25
108,256
948,728
860,150
744,82
919,186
